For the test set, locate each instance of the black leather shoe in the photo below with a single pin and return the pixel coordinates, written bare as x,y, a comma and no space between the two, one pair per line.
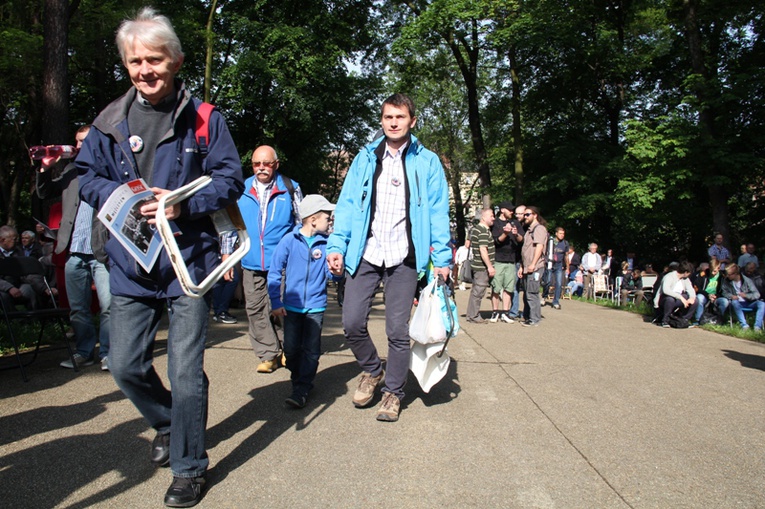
184,492
160,450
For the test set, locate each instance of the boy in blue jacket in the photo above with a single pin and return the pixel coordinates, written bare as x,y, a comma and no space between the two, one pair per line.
300,259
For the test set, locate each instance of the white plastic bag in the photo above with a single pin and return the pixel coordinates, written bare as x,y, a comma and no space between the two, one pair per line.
427,366
427,324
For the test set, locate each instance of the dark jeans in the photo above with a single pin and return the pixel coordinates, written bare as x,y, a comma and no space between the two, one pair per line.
134,323
302,347
400,283
669,305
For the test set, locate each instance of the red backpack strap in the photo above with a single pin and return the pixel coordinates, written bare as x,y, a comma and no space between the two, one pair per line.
203,127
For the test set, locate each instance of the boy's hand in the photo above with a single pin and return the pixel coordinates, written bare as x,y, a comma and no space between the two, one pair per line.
335,263
277,313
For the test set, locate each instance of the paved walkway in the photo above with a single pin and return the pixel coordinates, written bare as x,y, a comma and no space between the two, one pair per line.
592,409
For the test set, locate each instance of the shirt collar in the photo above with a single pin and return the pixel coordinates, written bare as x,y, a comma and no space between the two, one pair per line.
400,151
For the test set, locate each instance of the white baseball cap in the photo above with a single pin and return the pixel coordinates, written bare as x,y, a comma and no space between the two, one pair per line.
313,203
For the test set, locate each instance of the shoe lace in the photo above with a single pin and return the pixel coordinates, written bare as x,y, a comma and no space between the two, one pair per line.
388,401
367,382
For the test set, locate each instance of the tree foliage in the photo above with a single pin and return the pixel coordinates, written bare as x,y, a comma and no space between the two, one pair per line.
638,124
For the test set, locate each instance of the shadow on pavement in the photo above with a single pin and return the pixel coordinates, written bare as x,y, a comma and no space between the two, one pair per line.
60,467
747,360
41,420
267,406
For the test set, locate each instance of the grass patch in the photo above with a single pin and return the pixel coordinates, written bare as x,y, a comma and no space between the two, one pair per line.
26,334
727,330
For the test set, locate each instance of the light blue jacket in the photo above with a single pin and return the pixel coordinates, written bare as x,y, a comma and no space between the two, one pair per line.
428,207
280,219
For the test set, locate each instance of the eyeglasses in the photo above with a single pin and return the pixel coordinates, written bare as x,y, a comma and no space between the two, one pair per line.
267,164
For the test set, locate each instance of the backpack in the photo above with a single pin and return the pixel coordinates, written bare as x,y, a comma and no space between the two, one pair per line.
202,133
678,322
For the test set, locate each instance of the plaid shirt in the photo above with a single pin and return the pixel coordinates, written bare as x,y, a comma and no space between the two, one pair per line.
388,245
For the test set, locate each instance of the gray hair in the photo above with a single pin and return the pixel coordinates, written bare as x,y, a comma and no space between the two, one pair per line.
151,29
8,231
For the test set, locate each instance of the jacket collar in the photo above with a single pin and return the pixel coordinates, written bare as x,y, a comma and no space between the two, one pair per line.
109,120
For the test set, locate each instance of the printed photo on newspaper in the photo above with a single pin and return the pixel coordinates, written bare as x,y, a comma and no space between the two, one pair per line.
122,216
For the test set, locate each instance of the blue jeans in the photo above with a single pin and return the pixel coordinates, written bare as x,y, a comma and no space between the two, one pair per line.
557,278
739,307
516,303
702,299
400,283
81,271
223,292
183,414
302,347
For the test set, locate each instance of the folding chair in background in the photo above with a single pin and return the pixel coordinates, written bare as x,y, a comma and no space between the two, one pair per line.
20,266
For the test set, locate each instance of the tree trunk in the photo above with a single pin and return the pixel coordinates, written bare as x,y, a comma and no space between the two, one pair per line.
517,133
55,88
209,55
469,70
718,195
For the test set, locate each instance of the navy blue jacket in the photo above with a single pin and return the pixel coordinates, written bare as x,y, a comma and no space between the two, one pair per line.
105,162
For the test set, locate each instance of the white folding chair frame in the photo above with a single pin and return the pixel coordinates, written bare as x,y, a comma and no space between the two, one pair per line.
176,259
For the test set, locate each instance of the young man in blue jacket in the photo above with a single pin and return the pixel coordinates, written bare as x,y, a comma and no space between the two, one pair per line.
392,217
300,261
150,132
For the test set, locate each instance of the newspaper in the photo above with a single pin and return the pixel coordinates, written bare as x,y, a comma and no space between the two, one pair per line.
48,232
121,214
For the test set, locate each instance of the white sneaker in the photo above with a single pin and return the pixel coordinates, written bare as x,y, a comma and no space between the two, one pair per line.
505,318
494,317
462,287
105,364
79,359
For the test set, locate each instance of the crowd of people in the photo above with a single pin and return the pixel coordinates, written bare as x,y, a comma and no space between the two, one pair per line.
510,251
391,225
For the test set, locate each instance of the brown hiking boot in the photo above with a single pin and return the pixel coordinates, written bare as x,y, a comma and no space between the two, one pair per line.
389,408
268,366
366,389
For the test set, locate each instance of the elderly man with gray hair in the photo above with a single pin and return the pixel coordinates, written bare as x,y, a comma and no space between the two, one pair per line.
149,133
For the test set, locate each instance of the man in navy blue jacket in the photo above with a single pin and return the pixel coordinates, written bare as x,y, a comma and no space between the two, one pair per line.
150,132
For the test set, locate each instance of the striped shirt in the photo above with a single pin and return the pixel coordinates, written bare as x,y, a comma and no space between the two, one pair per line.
388,244
481,236
83,228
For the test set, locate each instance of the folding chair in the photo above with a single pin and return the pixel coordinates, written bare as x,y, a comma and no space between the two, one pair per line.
27,266
600,286
647,284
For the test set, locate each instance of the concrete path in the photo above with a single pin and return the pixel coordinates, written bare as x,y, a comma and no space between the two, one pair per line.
593,409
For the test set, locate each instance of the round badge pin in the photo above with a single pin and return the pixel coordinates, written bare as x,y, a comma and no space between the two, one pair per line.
395,181
316,254
136,143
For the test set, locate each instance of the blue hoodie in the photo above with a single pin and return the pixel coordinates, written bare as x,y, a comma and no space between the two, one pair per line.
428,207
305,271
